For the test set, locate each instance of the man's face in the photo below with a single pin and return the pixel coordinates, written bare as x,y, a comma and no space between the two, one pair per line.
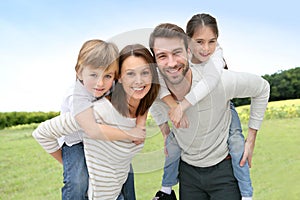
171,58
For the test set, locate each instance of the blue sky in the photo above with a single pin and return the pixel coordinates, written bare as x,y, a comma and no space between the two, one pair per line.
40,40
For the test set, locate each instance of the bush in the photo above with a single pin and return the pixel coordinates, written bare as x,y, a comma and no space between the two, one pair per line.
9,119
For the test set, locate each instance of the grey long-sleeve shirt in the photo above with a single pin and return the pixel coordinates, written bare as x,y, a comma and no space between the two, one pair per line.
204,142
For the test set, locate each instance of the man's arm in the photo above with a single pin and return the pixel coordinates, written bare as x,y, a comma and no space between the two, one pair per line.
250,85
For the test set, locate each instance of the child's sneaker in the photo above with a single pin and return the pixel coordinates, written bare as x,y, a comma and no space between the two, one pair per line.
163,196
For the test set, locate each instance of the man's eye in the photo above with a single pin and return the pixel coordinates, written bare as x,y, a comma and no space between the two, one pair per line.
93,75
161,57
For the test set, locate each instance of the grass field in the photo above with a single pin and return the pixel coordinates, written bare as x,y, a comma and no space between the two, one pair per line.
28,172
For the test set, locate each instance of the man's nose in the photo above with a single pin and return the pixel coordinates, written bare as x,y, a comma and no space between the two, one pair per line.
172,61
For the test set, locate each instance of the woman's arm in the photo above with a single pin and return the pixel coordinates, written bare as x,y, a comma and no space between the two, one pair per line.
57,155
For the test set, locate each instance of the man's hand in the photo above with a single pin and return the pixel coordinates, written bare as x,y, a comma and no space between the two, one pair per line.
249,147
165,130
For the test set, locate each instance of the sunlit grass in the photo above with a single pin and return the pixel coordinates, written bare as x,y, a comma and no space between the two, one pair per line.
28,172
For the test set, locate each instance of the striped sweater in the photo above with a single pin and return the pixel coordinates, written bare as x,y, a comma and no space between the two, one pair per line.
108,163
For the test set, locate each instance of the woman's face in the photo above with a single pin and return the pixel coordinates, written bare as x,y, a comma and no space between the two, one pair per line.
136,77
203,44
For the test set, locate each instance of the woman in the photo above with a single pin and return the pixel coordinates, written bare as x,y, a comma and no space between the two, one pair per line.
108,162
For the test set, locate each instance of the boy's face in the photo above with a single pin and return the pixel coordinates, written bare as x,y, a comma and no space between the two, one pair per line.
97,81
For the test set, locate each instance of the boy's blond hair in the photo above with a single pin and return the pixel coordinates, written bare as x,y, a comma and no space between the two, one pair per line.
98,53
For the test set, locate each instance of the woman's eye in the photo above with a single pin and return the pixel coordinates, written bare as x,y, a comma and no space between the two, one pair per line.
130,73
146,73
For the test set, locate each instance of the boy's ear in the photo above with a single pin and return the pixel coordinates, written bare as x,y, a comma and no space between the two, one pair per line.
119,80
79,75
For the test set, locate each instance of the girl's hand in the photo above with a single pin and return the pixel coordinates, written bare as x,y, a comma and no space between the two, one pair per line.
175,115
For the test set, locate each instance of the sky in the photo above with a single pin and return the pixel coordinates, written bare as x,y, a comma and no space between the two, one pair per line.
40,40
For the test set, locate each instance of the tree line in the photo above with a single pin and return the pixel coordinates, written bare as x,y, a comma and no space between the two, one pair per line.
284,85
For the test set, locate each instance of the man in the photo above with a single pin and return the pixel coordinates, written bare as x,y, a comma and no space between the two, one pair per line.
205,170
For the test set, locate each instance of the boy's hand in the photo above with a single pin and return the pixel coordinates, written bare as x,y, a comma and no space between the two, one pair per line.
137,134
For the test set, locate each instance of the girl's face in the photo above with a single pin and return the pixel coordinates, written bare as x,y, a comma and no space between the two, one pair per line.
203,44
97,81
136,77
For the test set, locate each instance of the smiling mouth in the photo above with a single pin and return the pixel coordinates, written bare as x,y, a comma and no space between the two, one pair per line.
204,55
98,90
138,88
174,70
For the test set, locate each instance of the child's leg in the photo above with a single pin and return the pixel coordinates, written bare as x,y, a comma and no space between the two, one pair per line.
75,172
128,190
236,143
170,176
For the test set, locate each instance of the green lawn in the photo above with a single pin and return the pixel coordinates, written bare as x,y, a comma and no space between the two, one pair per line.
28,172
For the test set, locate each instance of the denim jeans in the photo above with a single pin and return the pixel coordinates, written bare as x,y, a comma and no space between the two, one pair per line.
236,145
128,192
170,176
75,173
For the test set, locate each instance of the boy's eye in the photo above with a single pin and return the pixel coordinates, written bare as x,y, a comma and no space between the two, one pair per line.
93,75
108,76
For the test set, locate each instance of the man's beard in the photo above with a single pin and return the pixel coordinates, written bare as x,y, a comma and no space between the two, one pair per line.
177,81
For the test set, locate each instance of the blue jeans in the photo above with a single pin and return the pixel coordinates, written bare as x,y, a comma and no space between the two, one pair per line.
128,192
75,173
236,145
170,176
